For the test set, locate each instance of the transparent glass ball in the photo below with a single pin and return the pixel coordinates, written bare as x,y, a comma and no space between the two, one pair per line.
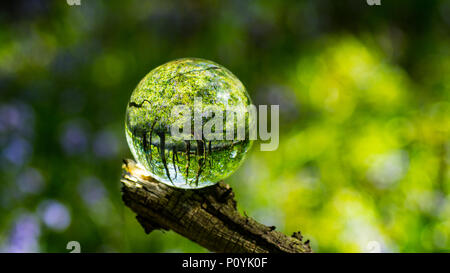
194,162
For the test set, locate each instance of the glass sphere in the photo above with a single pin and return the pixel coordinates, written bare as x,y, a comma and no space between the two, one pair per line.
190,162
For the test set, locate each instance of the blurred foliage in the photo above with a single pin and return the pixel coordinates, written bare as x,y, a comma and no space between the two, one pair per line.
364,95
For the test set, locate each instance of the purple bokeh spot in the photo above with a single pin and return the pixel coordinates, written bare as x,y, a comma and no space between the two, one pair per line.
24,235
9,116
16,117
18,151
91,190
55,215
30,181
74,139
105,144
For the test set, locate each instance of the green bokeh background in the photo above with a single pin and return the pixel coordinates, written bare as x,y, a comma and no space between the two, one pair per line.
364,95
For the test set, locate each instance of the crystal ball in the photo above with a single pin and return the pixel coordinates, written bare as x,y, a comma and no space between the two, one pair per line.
194,160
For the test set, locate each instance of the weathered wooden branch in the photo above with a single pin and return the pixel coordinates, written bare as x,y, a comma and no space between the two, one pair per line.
206,216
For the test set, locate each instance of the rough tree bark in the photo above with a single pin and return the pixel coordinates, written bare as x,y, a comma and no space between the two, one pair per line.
206,216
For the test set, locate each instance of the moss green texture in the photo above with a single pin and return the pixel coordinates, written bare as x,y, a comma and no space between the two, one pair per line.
186,162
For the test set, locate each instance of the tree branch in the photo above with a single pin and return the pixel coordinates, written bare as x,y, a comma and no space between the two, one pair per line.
206,216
